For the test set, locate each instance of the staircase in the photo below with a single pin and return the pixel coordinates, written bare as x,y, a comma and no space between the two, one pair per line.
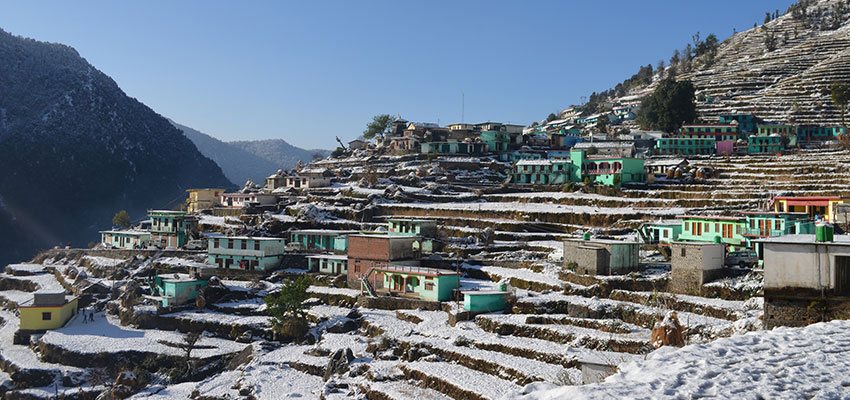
366,285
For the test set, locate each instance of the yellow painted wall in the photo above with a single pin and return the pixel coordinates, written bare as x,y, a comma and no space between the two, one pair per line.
31,317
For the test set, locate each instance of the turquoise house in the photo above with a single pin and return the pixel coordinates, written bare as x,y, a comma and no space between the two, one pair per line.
714,229
245,252
661,232
771,144
330,264
602,169
746,122
497,142
321,240
125,239
684,146
485,300
417,282
812,133
452,147
425,228
176,289
172,229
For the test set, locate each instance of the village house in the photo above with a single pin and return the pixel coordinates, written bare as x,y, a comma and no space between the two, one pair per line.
605,170
245,252
330,264
693,264
425,228
684,146
125,239
746,122
600,256
724,135
814,207
46,310
660,232
808,134
486,301
357,144
366,252
728,230
308,178
454,147
319,240
250,199
770,144
806,278
429,284
765,224
176,289
203,199
172,229
662,165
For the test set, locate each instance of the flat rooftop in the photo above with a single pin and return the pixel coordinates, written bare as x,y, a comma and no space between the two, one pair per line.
841,240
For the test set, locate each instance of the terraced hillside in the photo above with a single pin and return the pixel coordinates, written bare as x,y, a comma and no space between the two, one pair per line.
557,326
787,81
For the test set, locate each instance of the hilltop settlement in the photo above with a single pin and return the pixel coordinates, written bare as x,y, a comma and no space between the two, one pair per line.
466,261
580,256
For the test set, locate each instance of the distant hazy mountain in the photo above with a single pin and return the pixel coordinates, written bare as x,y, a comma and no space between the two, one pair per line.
74,149
238,165
282,154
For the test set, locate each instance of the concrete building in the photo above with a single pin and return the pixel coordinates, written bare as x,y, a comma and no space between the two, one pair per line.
245,252
202,199
176,289
661,232
330,264
806,278
601,257
172,229
366,252
319,240
125,239
47,310
694,264
815,207
309,178
242,200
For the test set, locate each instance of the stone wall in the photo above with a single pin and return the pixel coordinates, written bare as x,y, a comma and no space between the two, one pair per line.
397,303
788,311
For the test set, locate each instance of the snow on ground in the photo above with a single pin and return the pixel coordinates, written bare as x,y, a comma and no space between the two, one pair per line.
106,335
26,267
45,282
22,356
104,262
487,386
180,262
253,321
333,291
227,222
544,208
786,363
16,296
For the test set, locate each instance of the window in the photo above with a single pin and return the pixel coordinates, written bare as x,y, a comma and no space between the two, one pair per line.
244,244
429,285
46,316
716,227
256,245
215,243
705,226
666,233
229,243
777,225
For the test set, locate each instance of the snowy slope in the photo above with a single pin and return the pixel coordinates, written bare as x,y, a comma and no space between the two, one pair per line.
786,363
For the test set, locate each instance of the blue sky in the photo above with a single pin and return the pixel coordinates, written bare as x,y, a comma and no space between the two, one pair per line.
308,71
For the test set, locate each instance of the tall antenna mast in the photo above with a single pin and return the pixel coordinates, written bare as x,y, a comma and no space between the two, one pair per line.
462,106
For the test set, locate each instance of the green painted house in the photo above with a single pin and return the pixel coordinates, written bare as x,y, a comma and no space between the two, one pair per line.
746,122
172,229
452,147
176,289
426,228
485,300
767,224
330,264
416,282
714,229
125,239
660,232
770,144
814,133
319,240
496,141
683,146
245,252
603,169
